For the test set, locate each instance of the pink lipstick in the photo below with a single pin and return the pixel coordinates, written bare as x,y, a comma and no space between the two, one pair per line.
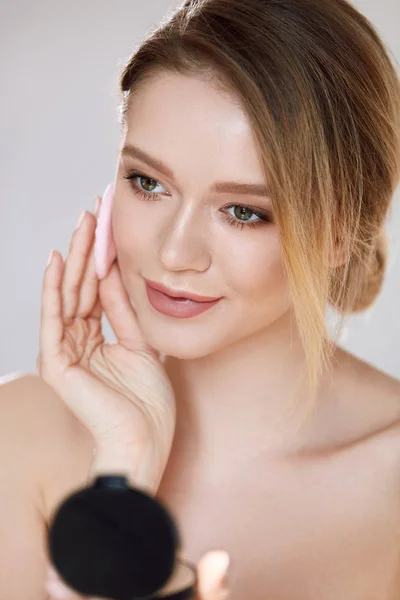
181,305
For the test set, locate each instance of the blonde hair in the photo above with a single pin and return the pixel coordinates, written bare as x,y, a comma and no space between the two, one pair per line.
323,98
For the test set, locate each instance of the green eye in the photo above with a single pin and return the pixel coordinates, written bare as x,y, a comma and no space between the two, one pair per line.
235,221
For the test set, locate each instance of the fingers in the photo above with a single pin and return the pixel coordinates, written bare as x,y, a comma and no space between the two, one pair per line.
212,568
83,295
69,287
119,310
75,268
89,304
52,327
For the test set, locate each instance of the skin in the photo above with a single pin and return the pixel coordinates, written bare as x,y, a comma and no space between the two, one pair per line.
235,368
244,347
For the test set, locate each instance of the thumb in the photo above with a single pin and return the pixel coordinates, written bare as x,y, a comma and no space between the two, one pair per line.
119,310
212,569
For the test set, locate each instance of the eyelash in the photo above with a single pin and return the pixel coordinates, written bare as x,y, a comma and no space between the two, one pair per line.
232,221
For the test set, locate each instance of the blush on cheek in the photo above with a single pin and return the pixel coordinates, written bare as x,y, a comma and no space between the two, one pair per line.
258,271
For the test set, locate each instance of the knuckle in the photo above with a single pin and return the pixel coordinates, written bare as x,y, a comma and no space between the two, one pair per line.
71,289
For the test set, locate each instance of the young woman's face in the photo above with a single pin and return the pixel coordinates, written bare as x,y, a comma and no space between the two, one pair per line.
180,235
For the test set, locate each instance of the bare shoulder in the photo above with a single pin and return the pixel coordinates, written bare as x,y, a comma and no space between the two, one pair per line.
55,446
371,404
371,386
362,409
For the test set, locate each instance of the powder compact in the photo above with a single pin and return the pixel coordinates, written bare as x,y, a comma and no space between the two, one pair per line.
117,542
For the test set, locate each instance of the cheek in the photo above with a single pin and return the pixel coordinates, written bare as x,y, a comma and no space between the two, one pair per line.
256,269
130,240
131,233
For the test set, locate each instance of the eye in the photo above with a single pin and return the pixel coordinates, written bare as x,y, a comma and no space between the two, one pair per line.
137,188
262,217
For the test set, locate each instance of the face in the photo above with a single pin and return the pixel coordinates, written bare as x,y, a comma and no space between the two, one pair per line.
185,235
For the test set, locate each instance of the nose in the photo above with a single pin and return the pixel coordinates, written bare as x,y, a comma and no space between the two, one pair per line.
184,241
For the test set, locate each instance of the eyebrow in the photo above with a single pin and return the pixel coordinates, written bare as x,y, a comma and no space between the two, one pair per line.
251,189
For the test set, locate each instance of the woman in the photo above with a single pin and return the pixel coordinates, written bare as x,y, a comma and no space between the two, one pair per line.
262,435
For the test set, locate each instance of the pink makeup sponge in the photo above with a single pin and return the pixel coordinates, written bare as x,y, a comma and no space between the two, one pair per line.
104,248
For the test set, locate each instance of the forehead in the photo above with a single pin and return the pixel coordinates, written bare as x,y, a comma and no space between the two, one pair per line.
175,116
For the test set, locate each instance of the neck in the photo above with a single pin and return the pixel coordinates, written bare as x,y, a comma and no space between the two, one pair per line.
234,404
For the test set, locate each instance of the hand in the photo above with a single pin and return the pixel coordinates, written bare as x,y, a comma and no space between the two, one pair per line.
211,569
118,391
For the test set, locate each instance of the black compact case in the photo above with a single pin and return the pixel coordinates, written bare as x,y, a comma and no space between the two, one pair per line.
116,542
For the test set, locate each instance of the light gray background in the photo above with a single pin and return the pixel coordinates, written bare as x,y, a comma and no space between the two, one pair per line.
59,65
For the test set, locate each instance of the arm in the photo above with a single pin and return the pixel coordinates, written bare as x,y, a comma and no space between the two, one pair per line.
140,465
23,553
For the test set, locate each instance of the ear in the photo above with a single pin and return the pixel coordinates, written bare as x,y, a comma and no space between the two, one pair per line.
104,247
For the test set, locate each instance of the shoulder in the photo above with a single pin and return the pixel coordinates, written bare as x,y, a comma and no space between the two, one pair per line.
32,404
370,394
361,410
371,410
48,439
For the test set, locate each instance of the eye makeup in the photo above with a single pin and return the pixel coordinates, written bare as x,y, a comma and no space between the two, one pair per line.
263,217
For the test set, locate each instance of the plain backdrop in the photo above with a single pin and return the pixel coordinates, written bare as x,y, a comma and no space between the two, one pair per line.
59,66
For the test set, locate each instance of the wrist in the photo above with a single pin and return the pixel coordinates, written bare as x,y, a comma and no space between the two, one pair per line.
141,465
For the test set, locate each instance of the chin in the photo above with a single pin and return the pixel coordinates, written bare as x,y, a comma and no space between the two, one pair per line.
183,348
181,352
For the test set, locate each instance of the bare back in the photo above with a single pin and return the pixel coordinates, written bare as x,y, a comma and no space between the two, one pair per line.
323,525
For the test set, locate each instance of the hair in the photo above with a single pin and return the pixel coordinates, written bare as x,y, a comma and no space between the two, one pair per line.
323,99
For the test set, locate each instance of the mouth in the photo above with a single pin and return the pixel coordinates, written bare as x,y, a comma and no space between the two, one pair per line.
178,294
178,307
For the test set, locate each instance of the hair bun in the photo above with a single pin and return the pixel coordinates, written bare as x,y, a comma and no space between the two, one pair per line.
364,279
374,276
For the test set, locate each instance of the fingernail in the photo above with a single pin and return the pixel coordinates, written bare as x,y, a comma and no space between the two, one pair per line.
97,205
109,190
50,257
81,217
225,560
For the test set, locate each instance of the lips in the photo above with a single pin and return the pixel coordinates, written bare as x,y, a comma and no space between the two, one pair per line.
178,294
178,307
